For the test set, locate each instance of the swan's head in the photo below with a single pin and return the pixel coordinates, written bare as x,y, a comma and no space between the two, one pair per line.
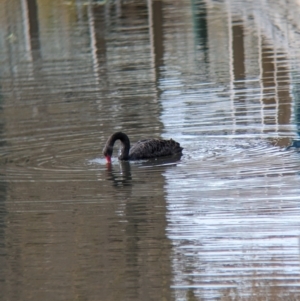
107,152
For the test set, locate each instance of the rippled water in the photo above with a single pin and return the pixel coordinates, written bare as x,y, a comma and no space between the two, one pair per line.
221,78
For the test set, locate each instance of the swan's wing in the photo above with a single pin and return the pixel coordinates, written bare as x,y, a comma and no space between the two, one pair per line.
152,148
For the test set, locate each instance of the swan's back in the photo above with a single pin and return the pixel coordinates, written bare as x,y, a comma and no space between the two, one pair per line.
153,148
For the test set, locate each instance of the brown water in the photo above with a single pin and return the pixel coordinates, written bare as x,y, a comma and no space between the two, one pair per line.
220,77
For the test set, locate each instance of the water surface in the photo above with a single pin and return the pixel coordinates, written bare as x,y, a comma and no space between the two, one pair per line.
221,223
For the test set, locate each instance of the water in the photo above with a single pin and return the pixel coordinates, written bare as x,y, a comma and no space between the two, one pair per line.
220,77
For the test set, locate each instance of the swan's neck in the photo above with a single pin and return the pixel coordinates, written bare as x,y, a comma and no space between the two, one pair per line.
125,144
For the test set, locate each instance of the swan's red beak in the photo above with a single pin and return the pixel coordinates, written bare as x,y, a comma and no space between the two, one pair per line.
108,159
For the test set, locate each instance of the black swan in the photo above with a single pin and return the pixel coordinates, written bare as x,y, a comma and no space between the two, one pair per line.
143,149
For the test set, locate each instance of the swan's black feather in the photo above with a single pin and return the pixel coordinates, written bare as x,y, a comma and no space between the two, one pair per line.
153,148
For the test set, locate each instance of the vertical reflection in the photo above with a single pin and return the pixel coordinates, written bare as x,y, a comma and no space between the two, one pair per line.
147,249
276,99
133,229
296,96
3,211
283,96
238,52
238,62
268,83
3,250
26,29
156,38
98,43
200,27
33,28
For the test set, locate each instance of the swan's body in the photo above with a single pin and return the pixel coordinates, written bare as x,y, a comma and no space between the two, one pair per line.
143,149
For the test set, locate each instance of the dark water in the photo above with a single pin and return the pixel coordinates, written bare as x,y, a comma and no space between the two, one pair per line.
220,77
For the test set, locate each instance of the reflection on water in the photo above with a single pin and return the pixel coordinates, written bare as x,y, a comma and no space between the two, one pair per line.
219,223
